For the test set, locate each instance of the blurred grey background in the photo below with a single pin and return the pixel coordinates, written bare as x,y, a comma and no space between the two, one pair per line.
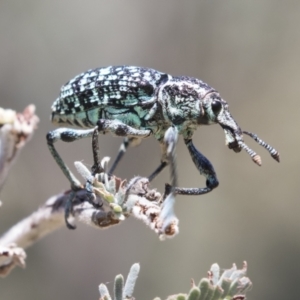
247,50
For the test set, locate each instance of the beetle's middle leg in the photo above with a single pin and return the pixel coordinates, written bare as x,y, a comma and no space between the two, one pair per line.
168,145
127,142
164,159
133,136
162,165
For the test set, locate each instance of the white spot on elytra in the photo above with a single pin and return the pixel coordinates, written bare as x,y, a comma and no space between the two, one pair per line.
92,85
84,80
105,71
112,77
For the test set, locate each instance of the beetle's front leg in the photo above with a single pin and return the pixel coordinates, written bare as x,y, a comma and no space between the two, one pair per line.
204,167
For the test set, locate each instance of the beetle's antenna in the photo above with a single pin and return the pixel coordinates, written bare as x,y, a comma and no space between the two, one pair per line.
274,153
255,157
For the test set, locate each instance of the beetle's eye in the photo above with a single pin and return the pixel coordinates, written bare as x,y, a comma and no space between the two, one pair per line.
216,107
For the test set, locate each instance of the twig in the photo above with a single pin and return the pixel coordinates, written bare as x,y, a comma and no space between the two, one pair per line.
105,201
120,200
16,129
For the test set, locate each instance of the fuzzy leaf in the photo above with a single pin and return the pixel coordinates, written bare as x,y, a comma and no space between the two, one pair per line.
118,287
131,280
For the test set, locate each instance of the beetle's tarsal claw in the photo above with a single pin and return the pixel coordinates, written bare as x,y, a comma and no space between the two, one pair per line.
255,157
274,153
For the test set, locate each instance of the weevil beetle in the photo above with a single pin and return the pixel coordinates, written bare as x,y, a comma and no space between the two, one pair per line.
136,103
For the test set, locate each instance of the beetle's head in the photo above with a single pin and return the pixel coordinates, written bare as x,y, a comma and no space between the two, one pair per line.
215,111
187,102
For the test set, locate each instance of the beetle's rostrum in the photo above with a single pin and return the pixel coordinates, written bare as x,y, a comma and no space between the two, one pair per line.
138,102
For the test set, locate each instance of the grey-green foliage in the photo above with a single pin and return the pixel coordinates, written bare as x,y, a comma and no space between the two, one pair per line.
121,291
232,284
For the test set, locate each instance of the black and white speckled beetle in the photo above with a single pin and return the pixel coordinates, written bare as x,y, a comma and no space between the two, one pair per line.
136,103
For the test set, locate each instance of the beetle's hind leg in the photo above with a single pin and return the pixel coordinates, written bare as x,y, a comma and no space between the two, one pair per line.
67,135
